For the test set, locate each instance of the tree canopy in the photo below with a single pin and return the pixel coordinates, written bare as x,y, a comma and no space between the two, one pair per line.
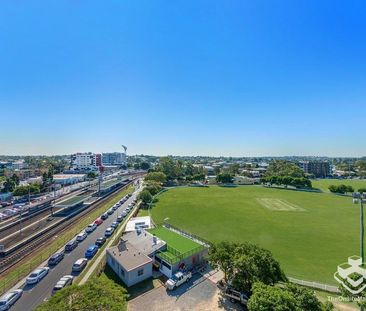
159,177
244,264
225,178
96,294
284,168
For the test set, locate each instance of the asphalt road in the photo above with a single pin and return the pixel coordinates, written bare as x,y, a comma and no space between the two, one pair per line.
34,295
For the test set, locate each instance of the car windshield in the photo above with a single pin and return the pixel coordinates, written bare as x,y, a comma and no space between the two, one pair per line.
2,302
174,278
33,275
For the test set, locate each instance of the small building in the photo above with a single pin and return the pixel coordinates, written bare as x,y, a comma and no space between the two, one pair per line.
140,251
138,223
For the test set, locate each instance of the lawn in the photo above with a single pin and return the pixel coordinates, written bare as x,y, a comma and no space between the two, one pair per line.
309,233
323,184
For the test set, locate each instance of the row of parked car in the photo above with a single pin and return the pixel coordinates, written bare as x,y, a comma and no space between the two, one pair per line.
8,299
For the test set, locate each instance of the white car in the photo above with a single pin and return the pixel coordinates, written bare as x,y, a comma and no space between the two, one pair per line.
124,213
79,264
91,228
177,279
8,299
63,282
109,231
37,275
81,236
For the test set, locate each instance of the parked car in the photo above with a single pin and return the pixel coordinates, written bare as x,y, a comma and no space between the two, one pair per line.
81,236
37,275
119,218
71,245
79,265
109,231
104,216
90,228
114,224
8,299
63,282
91,251
55,259
177,279
124,213
110,211
130,205
100,241
98,221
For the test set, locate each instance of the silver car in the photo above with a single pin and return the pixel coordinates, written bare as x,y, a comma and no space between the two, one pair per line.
8,299
37,275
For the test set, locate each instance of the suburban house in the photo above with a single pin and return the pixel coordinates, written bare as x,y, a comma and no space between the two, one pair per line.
142,251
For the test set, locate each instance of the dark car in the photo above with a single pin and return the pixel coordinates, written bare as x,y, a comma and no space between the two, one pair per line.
119,218
71,245
100,241
55,259
104,216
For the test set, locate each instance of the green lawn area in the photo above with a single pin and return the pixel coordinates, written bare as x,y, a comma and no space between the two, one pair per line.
180,243
323,184
309,233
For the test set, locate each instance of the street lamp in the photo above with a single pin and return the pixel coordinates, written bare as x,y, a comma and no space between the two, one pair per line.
358,197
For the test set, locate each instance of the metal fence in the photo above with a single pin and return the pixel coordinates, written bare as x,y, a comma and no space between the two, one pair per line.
188,235
316,285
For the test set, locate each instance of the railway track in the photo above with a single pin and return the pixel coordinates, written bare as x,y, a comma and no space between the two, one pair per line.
14,258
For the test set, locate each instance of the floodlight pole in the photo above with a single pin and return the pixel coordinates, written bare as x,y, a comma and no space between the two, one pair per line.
361,231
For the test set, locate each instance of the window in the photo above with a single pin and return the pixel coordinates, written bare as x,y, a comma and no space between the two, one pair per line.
122,271
140,272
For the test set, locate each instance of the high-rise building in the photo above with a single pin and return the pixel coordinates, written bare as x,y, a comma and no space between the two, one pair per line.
85,161
114,158
316,168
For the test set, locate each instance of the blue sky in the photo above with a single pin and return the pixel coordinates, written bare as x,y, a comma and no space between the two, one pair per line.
240,78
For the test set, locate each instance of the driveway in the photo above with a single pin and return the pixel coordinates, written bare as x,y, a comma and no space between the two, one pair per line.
200,293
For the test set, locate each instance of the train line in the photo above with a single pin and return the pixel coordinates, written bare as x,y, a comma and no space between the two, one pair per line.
10,260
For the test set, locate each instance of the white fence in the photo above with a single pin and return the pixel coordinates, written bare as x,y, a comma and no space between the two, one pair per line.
325,287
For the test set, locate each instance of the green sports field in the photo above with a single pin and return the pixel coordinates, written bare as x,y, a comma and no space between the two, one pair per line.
309,233
323,184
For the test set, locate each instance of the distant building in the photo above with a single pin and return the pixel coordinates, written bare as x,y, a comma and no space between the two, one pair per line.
68,179
19,165
320,169
85,161
113,158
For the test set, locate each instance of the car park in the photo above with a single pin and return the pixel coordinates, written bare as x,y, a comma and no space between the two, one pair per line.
114,224
79,265
90,228
104,216
81,236
55,259
119,218
100,241
98,221
8,299
109,231
91,251
37,275
71,245
63,282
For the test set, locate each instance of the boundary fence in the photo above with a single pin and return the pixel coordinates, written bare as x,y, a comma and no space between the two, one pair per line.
316,285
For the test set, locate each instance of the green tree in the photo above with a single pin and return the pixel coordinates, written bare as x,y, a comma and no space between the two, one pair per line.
221,257
224,178
153,187
91,175
284,168
159,177
9,185
145,166
265,298
15,178
145,197
362,190
96,294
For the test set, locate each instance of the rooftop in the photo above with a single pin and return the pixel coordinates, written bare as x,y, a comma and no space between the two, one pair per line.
143,241
128,256
138,222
